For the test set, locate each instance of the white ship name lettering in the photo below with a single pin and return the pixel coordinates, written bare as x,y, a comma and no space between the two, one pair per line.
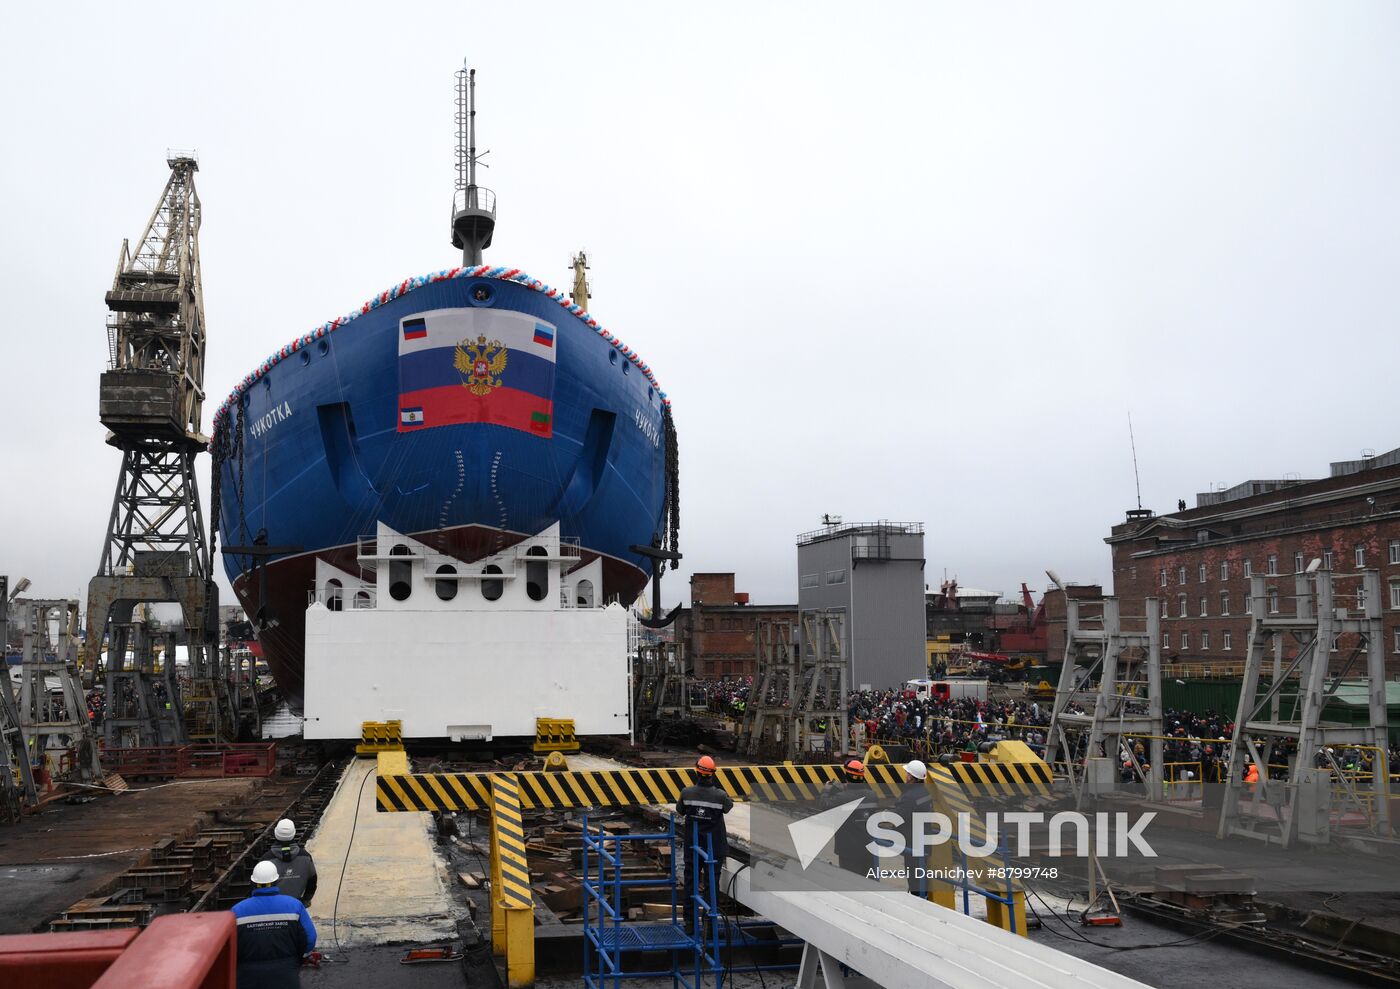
647,427
276,415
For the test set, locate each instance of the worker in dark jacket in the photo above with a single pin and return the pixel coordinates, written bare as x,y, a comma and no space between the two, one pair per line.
296,871
702,807
274,932
915,799
851,839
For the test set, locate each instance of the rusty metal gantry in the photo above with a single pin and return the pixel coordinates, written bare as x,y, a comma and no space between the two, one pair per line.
156,548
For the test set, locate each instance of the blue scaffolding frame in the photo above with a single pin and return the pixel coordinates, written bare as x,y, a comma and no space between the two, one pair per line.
609,935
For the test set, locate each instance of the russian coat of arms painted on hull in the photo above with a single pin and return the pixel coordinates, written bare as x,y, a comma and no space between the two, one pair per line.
481,365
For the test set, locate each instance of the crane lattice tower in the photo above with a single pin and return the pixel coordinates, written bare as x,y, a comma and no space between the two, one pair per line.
156,548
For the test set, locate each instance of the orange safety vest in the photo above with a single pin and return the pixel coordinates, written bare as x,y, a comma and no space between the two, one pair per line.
1251,775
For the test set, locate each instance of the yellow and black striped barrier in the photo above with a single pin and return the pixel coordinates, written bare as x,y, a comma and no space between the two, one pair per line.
1004,779
555,735
380,736
512,902
615,787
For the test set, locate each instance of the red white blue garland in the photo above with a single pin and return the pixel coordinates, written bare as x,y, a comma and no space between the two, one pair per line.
408,285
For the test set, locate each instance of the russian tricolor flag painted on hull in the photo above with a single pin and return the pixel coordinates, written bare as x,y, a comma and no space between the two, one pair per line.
476,365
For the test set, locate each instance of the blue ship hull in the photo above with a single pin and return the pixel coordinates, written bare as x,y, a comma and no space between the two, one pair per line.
324,456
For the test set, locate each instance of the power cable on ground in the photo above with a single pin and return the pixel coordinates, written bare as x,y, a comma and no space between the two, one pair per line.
354,823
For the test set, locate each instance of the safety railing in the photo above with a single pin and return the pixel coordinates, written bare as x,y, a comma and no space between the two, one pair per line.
363,597
474,198
1182,780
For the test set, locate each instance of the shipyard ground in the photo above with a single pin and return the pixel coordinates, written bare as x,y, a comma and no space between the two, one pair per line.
68,851
387,882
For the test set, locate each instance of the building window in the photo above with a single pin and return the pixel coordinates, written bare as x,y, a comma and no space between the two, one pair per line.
1205,640
1132,572
1336,640
1181,575
1201,573
1181,605
1395,551
1397,640
1361,597
811,579
1225,639
1224,569
1327,559
334,601
1273,565
1167,640
1185,641
1297,562
1395,595
1273,601
709,624
1204,612
1249,568
1360,555
1224,602
1164,576
836,576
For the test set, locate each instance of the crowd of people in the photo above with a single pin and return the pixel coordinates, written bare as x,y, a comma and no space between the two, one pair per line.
1195,747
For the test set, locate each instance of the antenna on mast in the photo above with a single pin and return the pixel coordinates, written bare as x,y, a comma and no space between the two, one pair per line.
1133,443
473,208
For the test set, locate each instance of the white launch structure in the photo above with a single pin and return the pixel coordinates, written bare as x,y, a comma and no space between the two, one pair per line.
462,650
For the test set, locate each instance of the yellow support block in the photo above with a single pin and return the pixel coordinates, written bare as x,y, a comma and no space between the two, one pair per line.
1010,750
555,735
393,763
380,736
875,754
1000,914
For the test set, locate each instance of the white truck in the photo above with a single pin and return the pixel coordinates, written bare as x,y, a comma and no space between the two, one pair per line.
954,688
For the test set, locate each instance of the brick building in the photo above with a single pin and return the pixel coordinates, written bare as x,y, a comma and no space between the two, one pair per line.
717,629
1197,562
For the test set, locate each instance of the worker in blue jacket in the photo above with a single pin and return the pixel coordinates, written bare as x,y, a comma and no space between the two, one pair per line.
274,932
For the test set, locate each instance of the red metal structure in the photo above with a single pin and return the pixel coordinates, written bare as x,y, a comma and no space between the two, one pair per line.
193,761
179,951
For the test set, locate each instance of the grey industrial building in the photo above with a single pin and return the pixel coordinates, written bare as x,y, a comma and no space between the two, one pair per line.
873,574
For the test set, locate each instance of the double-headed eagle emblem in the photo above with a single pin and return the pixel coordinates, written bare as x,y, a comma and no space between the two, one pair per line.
480,364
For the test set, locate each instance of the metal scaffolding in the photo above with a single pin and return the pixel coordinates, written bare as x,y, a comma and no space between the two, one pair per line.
800,683
1297,800
662,681
156,548
1110,690
52,706
17,789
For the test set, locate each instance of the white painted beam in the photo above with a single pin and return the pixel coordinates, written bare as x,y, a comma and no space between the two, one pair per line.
902,942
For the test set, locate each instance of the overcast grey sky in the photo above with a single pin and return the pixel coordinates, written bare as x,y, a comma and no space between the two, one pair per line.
912,261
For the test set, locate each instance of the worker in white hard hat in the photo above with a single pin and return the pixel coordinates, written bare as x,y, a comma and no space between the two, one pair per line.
295,868
915,799
274,933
